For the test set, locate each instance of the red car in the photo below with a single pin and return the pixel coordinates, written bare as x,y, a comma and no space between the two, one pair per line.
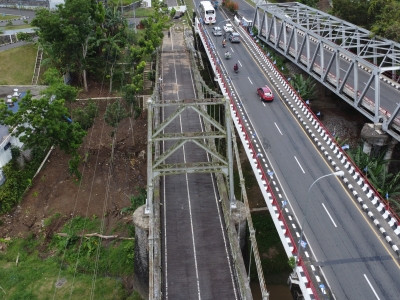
265,93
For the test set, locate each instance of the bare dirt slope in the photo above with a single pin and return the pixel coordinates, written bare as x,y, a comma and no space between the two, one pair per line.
105,187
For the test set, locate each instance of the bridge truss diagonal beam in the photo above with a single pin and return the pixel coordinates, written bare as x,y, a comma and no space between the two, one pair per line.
343,57
348,36
204,140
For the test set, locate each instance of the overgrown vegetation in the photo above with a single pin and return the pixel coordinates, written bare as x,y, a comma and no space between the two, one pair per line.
274,260
231,5
375,168
85,116
306,87
136,201
72,263
382,17
17,181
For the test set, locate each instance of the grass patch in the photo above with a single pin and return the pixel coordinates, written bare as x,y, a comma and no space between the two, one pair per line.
50,220
13,27
77,224
273,256
70,265
121,2
8,17
140,12
17,65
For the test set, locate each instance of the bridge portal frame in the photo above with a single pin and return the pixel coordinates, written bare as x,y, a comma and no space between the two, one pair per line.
219,164
279,26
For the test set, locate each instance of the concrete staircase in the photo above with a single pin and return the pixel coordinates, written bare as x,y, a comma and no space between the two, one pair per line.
36,71
147,84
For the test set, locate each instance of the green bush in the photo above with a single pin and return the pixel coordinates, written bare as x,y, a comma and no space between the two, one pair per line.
172,12
17,181
85,117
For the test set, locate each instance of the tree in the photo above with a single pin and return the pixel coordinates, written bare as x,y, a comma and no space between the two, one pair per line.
387,23
231,5
65,33
40,123
24,36
375,168
311,3
85,117
355,12
115,113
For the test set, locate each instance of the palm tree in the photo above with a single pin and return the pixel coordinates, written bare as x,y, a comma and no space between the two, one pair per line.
375,168
305,87
387,185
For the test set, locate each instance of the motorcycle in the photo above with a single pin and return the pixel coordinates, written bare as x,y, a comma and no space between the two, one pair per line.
236,68
228,55
223,43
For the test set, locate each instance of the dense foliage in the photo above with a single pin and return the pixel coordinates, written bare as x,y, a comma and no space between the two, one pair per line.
41,123
66,34
375,168
382,17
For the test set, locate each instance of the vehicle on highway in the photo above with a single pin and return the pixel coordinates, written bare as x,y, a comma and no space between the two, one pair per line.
234,37
236,68
216,31
265,94
228,27
207,12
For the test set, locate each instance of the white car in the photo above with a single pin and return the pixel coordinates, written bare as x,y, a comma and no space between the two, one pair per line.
216,31
228,27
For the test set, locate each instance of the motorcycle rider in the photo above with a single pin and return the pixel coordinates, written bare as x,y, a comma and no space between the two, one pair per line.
236,67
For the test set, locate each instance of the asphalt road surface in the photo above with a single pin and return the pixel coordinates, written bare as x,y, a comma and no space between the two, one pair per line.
196,256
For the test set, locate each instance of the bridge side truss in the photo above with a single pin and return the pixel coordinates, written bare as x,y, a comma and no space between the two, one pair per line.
341,49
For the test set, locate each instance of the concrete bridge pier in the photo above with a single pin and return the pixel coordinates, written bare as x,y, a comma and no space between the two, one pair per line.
375,138
141,261
238,217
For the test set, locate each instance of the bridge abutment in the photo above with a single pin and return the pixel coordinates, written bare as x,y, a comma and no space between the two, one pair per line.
141,261
375,138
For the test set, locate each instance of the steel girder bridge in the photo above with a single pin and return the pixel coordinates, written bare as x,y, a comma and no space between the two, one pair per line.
347,59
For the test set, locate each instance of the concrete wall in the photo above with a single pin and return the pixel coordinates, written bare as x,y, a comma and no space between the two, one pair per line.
42,3
141,262
5,149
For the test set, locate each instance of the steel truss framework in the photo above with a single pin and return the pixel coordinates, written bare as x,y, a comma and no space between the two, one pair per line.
205,140
322,44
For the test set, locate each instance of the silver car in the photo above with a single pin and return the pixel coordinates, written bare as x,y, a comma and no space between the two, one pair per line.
234,37
216,31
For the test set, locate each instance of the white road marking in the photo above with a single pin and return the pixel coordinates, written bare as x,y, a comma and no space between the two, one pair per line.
220,221
370,285
299,164
277,127
190,212
329,215
232,50
191,218
249,80
342,69
370,86
240,63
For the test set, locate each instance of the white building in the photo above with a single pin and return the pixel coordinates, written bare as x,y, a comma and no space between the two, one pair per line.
54,3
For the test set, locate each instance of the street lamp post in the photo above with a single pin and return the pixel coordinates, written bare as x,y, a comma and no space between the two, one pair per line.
338,173
223,22
216,38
